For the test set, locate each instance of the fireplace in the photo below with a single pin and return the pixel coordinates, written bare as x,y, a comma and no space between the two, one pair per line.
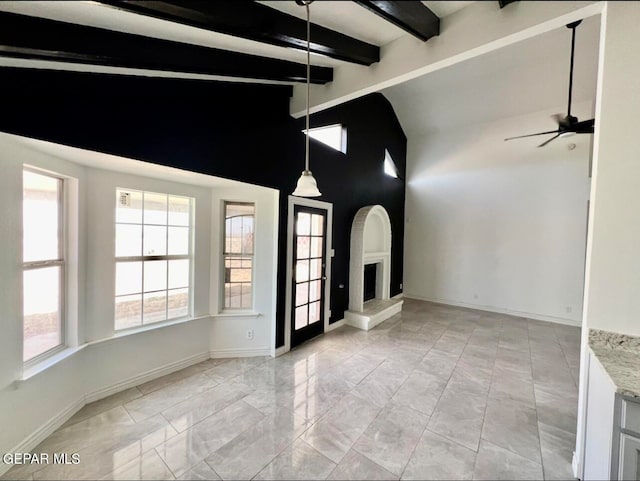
370,269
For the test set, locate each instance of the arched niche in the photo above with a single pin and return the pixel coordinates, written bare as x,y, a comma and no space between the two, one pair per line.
370,244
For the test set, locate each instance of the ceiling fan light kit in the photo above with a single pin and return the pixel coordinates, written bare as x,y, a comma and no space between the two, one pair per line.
567,125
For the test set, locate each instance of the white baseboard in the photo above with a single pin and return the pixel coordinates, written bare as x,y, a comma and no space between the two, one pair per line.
280,351
44,431
497,310
224,353
145,377
334,325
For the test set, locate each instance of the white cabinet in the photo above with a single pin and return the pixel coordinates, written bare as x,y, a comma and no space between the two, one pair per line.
599,427
629,463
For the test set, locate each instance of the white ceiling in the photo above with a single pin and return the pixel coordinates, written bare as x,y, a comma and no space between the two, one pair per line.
444,8
525,77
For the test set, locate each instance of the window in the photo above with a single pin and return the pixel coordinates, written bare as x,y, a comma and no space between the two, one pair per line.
389,165
153,257
43,263
335,136
238,255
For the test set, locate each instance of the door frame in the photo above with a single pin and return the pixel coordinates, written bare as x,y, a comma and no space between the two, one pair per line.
318,204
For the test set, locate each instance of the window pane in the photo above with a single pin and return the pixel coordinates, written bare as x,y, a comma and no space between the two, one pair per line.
301,316
315,290
178,303
128,311
316,246
178,241
155,208
302,271
128,240
179,273
179,210
304,224
314,312
154,307
317,224
155,275
302,293
302,252
155,240
246,295
40,212
128,206
128,278
232,294
42,316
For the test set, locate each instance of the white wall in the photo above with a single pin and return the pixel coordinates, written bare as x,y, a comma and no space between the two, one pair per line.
499,225
105,362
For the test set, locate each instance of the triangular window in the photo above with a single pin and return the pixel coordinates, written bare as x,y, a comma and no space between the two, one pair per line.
334,136
389,165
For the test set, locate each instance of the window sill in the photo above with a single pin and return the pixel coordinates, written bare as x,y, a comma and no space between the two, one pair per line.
50,361
225,314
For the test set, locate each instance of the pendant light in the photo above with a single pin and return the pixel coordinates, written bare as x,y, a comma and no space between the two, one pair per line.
307,186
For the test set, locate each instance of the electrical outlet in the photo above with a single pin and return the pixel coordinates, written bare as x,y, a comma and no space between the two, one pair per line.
250,334
568,308
475,295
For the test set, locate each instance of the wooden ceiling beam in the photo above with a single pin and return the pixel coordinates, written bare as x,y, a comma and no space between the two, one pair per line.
411,16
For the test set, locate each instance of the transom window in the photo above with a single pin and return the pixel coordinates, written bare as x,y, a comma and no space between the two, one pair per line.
389,165
43,264
153,257
238,255
335,136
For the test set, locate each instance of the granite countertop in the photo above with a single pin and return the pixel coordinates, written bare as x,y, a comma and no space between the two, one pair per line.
619,354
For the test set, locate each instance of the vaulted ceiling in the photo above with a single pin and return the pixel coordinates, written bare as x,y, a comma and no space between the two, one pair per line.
239,39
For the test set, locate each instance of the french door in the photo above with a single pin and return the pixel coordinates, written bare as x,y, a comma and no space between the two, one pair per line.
309,273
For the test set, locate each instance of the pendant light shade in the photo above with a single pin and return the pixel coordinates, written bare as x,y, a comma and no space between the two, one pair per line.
307,186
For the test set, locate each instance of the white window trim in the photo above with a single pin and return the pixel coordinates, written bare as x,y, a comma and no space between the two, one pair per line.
61,262
190,256
236,311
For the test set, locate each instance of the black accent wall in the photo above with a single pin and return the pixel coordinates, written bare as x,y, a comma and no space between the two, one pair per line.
238,131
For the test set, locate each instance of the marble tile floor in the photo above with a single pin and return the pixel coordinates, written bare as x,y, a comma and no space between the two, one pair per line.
436,392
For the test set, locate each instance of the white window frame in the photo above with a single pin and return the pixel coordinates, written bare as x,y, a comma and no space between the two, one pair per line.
142,258
225,255
343,137
60,262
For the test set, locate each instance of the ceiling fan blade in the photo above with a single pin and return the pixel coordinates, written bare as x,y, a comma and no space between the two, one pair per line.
533,135
547,141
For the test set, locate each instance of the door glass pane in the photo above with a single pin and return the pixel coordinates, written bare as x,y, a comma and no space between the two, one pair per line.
128,311
301,316
302,271
155,208
317,224
304,224
42,321
128,278
178,241
154,307
178,303
302,293
178,273
155,240
178,211
40,212
316,246
316,269
315,290
302,251
314,312
128,240
155,275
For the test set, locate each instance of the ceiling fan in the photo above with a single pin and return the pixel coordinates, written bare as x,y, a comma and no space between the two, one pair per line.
568,125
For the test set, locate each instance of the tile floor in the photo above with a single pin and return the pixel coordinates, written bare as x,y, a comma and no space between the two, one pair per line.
435,392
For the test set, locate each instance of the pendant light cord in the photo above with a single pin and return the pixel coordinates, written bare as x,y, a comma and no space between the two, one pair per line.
306,158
